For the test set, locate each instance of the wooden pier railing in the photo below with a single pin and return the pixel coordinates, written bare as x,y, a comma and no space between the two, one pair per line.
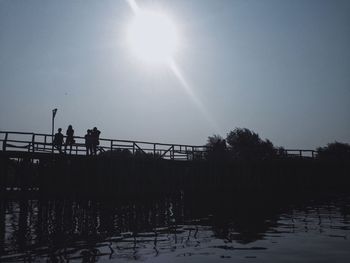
42,143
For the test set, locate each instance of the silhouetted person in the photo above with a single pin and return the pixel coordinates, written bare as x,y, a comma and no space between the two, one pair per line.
95,135
58,140
88,142
70,139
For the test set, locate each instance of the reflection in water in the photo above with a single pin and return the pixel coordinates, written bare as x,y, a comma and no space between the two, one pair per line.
170,228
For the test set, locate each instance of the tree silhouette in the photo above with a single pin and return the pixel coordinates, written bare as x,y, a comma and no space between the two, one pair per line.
244,144
216,148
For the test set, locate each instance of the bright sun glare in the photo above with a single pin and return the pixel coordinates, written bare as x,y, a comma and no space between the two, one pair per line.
152,37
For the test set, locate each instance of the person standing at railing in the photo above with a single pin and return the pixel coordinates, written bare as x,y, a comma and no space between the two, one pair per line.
69,139
88,142
95,135
58,140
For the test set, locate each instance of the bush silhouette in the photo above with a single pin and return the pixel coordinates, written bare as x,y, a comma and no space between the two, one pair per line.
117,153
335,150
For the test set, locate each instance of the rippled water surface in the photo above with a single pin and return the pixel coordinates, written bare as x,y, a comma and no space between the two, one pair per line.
172,230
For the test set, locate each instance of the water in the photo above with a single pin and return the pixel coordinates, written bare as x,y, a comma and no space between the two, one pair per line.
173,230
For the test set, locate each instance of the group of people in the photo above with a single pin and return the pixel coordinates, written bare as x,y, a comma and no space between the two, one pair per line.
91,140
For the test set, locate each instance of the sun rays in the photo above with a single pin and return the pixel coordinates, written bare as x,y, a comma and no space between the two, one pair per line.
153,38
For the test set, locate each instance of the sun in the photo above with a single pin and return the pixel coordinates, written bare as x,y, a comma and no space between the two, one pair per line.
152,37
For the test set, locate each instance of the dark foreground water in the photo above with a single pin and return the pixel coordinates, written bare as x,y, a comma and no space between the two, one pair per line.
174,229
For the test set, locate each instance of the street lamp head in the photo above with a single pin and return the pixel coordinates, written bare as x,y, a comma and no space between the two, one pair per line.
54,111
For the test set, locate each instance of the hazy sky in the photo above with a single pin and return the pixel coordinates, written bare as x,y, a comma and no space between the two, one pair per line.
278,67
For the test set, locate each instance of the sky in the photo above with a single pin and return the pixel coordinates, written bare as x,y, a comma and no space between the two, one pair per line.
278,67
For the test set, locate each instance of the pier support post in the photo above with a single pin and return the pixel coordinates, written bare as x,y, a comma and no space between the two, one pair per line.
4,163
2,225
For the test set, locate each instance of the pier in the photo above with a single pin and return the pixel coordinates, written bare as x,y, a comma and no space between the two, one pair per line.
28,161
38,145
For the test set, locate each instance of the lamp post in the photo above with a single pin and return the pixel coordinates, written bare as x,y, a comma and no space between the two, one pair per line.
54,111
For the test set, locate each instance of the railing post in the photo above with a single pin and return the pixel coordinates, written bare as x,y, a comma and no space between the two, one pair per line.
111,146
133,148
33,143
4,143
300,153
154,150
44,143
